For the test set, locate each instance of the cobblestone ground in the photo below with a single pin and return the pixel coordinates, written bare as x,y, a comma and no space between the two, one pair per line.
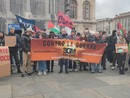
83,84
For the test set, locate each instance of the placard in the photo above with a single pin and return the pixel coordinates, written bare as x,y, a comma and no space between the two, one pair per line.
4,61
10,41
121,48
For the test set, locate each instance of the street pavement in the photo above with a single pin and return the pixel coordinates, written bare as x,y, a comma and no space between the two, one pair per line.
82,84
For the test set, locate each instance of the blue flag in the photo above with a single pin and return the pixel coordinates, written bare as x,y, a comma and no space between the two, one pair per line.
25,23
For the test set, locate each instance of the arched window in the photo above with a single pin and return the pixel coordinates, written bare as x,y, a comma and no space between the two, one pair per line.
18,6
86,10
73,9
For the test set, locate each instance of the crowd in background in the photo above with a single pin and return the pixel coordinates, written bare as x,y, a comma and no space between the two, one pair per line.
20,53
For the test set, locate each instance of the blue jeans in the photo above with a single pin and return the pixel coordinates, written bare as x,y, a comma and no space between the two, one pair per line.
72,64
63,62
42,66
96,67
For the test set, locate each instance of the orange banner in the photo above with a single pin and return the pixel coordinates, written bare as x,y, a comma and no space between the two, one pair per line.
52,49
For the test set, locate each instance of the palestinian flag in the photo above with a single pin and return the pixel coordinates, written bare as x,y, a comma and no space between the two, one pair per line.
121,30
53,28
119,25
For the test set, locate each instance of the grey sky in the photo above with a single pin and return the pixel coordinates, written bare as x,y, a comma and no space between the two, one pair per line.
110,8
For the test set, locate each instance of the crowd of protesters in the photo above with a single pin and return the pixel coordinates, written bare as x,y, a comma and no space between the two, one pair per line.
20,53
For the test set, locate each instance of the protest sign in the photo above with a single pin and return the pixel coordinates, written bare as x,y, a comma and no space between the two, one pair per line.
4,61
10,41
121,48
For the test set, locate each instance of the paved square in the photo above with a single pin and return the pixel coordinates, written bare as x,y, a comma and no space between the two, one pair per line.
83,84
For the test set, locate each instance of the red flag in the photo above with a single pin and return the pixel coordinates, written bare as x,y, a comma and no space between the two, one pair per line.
119,26
64,20
37,29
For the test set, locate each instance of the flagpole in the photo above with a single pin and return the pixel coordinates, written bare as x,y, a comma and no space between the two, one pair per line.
57,14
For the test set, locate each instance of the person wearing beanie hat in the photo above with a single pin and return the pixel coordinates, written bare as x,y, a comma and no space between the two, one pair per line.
26,45
14,50
29,30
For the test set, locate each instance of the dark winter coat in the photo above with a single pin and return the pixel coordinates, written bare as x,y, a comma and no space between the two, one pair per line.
26,43
18,43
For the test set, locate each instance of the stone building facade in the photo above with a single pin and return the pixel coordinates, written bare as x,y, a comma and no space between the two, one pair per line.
82,12
110,24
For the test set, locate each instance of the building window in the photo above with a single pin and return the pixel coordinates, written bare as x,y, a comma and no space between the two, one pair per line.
86,10
56,6
18,6
73,9
51,7
2,6
37,7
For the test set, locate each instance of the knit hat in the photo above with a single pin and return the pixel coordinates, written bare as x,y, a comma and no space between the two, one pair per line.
29,30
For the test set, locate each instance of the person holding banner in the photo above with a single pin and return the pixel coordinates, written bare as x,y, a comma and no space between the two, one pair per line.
72,64
63,61
41,63
121,56
51,36
104,40
78,37
85,36
2,41
26,43
14,50
96,67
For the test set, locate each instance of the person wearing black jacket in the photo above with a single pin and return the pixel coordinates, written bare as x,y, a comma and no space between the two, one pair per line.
14,50
121,57
112,40
104,57
2,41
26,43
